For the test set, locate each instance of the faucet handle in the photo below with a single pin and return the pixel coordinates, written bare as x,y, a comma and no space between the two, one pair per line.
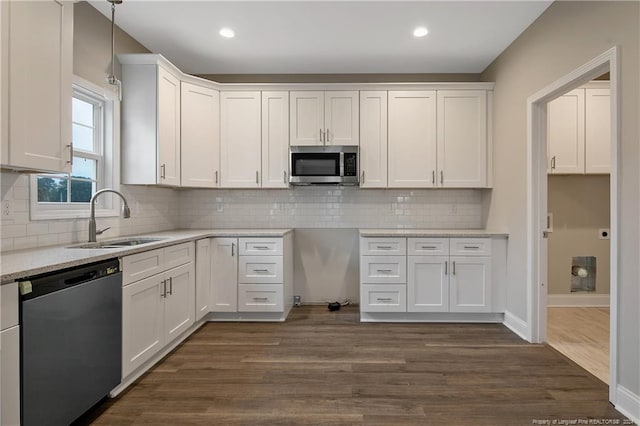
99,232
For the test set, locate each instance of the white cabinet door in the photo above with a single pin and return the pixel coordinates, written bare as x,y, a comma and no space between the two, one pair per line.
200,136
306,118
168,172
470,284
597,131
341,119
142,321
565,133
179,301
240,134
373,139
412,139
462,139
10,374
275,139
224,282
203,277
427,284
40,61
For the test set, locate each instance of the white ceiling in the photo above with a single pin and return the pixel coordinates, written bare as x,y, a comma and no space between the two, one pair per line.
300,37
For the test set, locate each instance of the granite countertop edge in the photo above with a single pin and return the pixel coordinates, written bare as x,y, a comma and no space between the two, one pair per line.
29,262
442,233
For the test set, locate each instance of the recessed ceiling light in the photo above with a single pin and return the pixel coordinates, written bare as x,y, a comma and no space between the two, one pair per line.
227,33
420,32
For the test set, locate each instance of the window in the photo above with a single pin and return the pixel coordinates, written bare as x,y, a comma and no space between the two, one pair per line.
94,147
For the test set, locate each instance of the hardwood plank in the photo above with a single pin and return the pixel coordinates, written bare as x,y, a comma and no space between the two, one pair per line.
323,367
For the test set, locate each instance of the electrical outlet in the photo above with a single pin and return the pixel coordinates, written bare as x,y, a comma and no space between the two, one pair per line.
296,300
6,208
604,234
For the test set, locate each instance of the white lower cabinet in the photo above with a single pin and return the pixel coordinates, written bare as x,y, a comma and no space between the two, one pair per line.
251,275
9,357
445,275
203,278
156,309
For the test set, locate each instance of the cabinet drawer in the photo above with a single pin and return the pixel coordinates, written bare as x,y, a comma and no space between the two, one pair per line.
428,246
179,254
142,265
470,246
260,298
383,298
9,312
383,269
383,246
260,246
260,269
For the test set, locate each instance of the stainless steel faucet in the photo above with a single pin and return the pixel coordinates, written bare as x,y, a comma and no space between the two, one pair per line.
126,213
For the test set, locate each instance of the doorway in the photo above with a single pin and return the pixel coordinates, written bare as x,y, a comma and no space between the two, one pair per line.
537,196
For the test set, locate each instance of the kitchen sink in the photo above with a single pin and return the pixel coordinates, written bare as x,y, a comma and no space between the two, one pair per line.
126,242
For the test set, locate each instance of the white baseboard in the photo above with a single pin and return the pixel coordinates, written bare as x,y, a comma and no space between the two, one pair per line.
517,325
628,404
577,299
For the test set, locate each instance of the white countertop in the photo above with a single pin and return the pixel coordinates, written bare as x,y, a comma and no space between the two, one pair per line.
25,263
469,233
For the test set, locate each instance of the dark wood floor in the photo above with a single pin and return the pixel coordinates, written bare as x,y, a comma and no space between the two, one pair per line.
323,367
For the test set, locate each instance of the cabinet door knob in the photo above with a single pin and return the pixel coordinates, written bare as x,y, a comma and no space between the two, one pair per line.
216,177
446,267
70,146
257,178
284,177
553,162
163,170
433,177
327,136
363,176
233,246
441,177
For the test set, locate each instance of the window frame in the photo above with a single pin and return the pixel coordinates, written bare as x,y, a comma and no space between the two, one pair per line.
108,170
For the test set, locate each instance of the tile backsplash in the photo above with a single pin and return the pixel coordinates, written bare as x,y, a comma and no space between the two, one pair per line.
331,207
152,209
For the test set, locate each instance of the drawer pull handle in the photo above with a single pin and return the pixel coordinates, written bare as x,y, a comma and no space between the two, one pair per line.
384,299
261,247
384,247
471,247
429,247
260,270
263,299
385,270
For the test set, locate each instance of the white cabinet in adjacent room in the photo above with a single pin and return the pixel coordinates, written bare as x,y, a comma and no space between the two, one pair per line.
275,140
412,139
579,131
462,139
37,83
373,139
324,118
240,139
200,136
150,121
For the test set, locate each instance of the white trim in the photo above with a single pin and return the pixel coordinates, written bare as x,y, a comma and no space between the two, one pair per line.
577,299
628,404
517,325
462,317
536,197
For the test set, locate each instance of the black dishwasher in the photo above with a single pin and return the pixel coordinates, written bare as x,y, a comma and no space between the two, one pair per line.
70,341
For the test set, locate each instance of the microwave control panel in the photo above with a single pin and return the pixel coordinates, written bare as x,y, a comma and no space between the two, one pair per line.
350,164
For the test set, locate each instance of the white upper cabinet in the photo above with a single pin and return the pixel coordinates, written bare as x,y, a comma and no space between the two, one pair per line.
168,128
578,131
462,139
412,139
200,136
150,121
240,139
37,61
565,133
275,139
597,130
373,139
324,118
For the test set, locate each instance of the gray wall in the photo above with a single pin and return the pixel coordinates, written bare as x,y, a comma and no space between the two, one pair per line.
566,36
580,207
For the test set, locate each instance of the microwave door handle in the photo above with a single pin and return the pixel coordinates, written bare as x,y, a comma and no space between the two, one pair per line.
341,164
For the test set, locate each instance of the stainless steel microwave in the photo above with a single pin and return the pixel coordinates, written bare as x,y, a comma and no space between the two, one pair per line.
323,164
